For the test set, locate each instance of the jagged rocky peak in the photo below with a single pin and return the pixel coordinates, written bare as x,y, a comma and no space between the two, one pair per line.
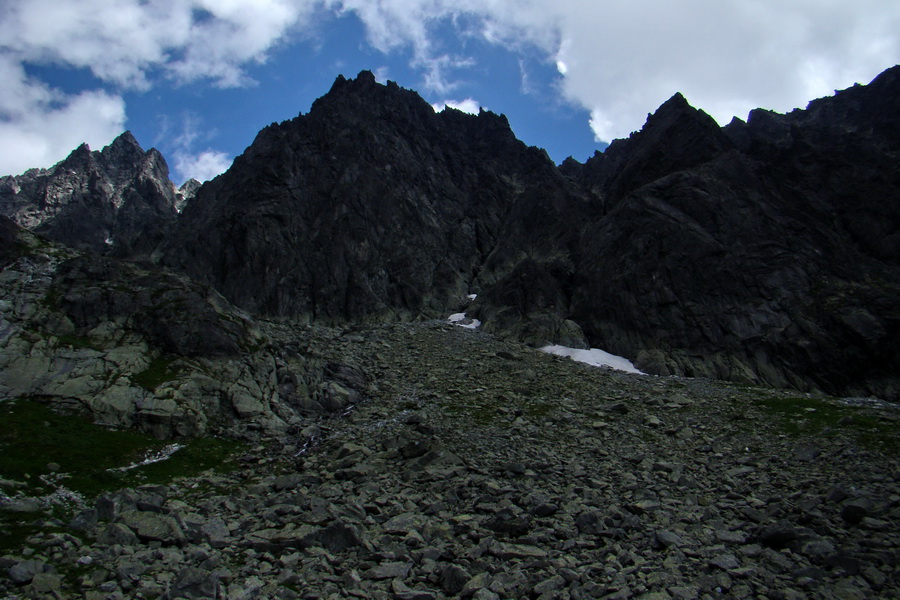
124,150
360,107
681,125
186,193
365,98
392,207
685,247
94,200
675,137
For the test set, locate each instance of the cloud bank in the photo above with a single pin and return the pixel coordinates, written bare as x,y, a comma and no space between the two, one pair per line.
202,166
468,105
39,126
617,60
620,60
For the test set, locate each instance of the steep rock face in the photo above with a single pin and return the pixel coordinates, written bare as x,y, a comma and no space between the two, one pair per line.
369,207
99,201
137,346
764,252
676,137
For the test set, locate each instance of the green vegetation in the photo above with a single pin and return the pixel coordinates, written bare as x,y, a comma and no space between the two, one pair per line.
52,298
75,341
819,417
15,528
34,436
157,373
39,446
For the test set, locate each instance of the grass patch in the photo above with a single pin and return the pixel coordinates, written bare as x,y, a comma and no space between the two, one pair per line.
87,455
15,528
159,371
480,414
538,409
76,342
798,416
34,436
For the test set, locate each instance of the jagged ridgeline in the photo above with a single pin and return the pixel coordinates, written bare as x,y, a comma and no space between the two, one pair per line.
766,251
100,201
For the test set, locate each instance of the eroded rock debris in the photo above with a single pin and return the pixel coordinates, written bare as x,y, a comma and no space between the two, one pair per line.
477,468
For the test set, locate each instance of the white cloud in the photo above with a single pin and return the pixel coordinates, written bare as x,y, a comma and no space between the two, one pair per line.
620,60
626,59
40,126
188,162
125,41
202,166
603,128
125,44
382,74
467,106
397,24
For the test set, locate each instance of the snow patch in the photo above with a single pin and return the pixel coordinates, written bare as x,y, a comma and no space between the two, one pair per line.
594,357
472,296
463,321
152,457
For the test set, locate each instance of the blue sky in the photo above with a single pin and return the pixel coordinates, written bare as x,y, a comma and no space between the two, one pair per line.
198,78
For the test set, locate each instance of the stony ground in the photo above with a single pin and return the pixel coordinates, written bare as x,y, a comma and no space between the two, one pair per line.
480,469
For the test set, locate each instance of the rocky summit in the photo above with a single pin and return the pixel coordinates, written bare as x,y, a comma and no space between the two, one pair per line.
251,388
97,200
764,252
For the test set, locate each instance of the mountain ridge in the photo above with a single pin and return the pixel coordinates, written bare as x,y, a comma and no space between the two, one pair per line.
101,201
764,251
364,456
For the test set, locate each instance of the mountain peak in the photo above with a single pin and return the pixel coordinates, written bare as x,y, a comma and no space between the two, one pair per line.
676,101
365,79
79,156
126,138
124,150
677,111
675,137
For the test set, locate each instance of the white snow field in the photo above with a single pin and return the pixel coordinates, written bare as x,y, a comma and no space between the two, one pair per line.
595,357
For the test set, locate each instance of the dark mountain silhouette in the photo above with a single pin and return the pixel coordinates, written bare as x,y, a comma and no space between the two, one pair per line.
763,252
370,207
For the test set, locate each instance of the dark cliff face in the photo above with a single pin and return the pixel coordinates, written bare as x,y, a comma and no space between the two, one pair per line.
762,252
369,207
99,201
765,252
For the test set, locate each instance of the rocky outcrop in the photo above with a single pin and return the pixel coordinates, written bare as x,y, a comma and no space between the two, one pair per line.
186,193
762,252
370,207
95,200
136,346
484,469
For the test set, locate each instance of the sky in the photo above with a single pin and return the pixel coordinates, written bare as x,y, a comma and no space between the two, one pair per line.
197,79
